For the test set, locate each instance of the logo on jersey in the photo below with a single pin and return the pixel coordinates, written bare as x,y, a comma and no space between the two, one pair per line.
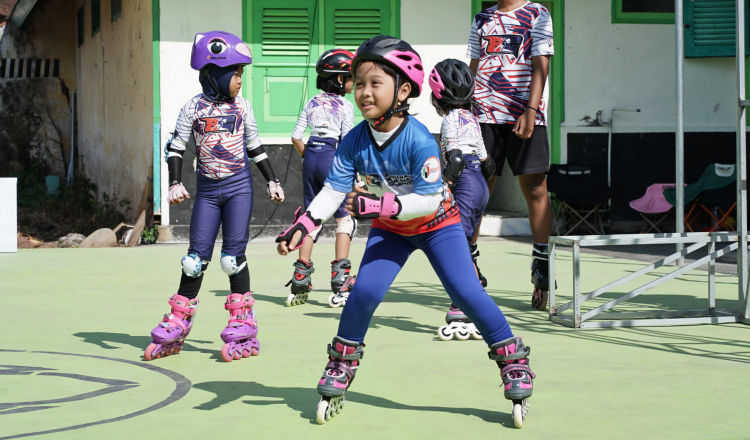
507,44
431,170
373,179
218,124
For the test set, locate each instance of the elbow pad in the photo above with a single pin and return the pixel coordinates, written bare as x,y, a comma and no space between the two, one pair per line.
454,164
488,168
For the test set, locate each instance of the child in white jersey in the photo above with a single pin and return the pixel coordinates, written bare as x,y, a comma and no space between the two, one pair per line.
330,117
467,166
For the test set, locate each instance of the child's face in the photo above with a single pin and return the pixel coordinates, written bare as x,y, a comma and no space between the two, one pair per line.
236,83
373,90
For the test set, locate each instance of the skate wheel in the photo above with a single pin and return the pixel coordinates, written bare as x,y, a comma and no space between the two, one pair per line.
237,355
246,354
332,301
290,300
444,334
149,353
476,335
225,353
322,411
176,350
254,351
519,412
463,335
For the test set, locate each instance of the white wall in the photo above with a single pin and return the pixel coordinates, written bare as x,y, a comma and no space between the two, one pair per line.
436,32
633,65
178,81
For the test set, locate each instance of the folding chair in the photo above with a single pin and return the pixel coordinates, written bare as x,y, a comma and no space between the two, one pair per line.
710,200
579,194
654,208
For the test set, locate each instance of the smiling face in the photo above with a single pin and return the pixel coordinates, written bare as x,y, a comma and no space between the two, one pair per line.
373,90
235,84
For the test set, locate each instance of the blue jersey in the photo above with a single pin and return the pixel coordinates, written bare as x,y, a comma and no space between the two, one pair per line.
407,163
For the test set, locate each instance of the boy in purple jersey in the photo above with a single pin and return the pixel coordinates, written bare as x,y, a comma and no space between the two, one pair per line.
412,209
466,168
222,125
330,117
510,45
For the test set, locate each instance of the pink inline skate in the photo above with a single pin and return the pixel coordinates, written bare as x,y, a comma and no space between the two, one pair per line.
171,332
241,332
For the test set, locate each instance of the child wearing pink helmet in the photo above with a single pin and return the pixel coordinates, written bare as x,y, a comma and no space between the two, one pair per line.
411,209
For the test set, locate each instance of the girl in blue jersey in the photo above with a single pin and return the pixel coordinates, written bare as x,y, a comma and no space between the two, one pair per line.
411,209
466,168
330,117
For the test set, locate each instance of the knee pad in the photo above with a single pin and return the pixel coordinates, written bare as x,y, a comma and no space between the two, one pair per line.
346,225
232,265
193,266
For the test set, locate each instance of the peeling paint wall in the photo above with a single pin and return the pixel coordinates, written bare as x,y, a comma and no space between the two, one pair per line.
115,100
35,112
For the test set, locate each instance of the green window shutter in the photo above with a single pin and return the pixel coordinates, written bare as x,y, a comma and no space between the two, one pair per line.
353,26
710,28
286,32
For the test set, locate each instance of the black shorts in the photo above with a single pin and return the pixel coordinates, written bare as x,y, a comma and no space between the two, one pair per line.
525,156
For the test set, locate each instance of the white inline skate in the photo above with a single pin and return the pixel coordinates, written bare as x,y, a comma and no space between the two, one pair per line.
459,325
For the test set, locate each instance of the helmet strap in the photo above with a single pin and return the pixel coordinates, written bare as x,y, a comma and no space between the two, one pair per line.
393,110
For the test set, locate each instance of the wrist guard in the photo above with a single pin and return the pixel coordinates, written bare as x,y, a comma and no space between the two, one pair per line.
304,222
371,206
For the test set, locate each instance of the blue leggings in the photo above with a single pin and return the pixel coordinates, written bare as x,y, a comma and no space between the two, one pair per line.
448,252
471,195
317,162
228,203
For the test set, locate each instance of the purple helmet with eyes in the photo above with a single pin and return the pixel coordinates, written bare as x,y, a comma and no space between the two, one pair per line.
220,48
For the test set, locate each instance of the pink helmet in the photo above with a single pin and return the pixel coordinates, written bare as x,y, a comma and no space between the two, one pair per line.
395,52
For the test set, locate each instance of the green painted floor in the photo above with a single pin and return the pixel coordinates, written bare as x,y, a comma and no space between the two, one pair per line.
75,322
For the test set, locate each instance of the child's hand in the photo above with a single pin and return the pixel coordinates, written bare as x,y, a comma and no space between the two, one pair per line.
524,126
177,193
275,190
350,199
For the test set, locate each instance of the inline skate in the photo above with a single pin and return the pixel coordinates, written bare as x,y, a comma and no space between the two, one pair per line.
339,298
474,257
301,283
169,336
343,360
459,325
512,358
241,332
540,277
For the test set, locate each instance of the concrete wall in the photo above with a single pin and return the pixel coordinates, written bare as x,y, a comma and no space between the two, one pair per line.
35,113
115,100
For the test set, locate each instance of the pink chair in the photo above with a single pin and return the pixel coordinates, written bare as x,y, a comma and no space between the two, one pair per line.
653,207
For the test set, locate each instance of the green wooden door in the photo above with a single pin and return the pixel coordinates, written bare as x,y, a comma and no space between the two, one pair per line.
284,43
348,24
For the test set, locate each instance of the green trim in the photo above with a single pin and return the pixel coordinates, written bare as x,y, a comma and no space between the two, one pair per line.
156,76
639,17
396,18
557,81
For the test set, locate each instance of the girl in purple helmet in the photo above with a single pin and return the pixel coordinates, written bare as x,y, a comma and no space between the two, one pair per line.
222,125
466,167
330,117
411,209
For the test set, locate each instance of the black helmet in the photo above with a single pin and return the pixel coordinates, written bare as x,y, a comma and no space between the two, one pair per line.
395,52
334,62
452,82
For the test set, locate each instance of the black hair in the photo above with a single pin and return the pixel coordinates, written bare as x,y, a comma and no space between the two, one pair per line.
392,72
443,108
331,84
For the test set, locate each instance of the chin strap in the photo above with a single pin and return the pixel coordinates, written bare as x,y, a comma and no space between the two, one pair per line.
393,110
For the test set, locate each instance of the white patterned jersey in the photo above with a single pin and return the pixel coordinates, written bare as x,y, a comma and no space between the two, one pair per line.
223,134
328,115
461,130
504,43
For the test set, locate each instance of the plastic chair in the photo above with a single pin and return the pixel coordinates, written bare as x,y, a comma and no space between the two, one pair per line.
710,200
580,195
653,207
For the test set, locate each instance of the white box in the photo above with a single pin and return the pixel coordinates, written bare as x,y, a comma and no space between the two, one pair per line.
8,215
